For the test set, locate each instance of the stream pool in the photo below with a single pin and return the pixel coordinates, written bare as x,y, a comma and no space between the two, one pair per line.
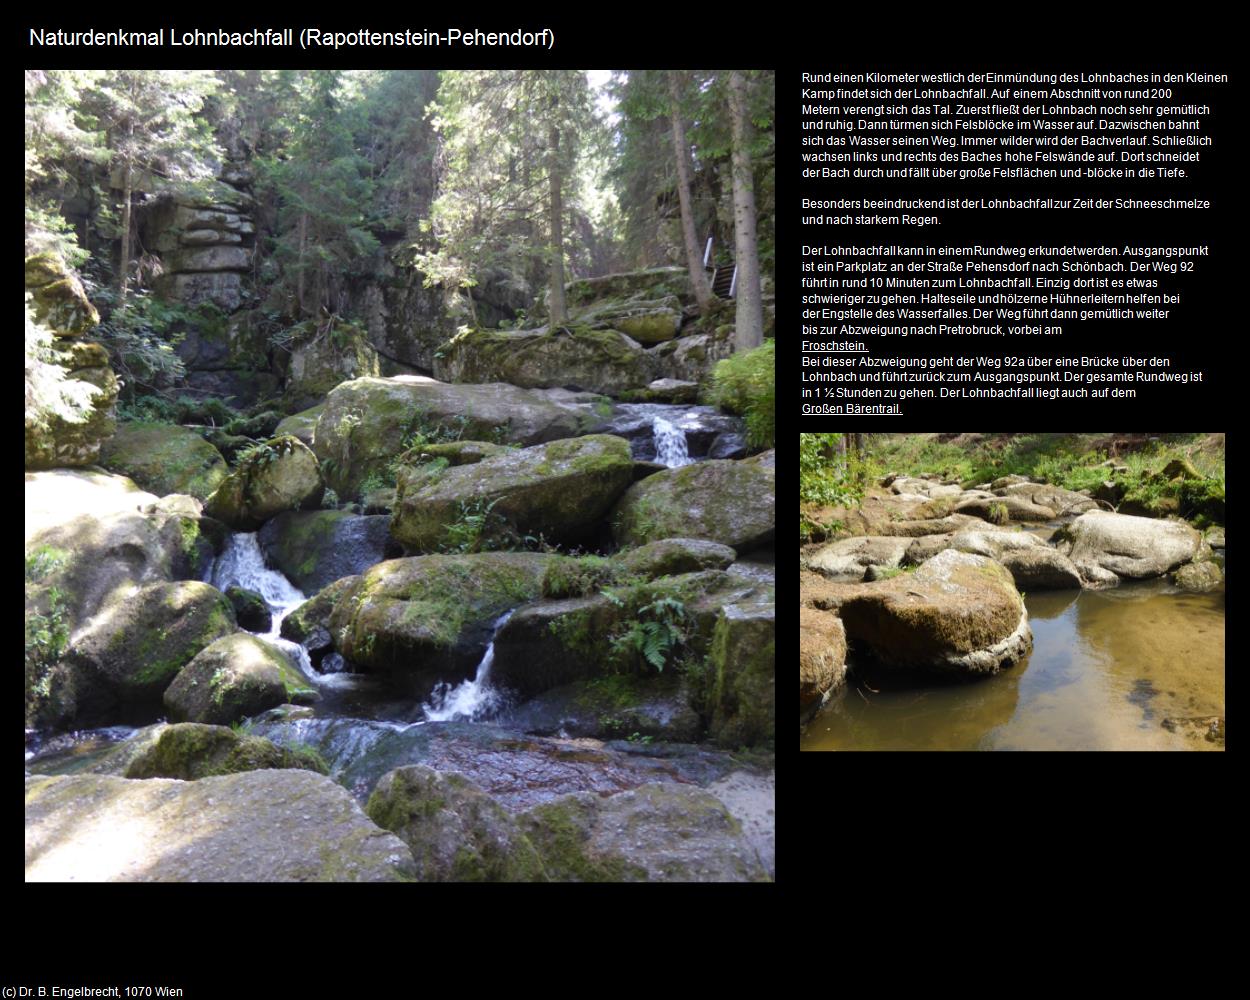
1107,667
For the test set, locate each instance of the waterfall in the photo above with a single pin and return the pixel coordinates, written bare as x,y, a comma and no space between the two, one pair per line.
243,565
468,699
670,444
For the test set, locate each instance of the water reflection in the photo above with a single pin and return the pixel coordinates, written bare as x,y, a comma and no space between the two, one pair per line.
1107,667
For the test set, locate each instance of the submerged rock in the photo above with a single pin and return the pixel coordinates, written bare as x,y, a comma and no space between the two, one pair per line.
234,678
615,707
296,826
1198,578
958,613
190,750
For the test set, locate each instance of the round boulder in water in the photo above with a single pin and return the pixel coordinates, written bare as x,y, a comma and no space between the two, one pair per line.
250,609
233,678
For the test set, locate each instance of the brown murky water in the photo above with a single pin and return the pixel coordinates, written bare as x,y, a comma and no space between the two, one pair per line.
1107,668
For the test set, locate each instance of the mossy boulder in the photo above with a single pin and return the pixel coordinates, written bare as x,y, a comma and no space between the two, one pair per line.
233,678
322,358
282,475
572,357
613,707
1198,578
648,321
456,452
138,646
656,833
309,624
560,490
651,283
315,548
456,832
366,422
822,655
547,644
301,425
670,556
958,613
55,442
191,750
258,826
165,459
730,502
742,667
250,609
428,618
59,300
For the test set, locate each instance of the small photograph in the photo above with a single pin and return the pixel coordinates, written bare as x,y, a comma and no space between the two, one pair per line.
1053,591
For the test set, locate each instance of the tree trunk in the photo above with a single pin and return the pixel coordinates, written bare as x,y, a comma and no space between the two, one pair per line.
694,260
558,313
749,324
124,279
299,266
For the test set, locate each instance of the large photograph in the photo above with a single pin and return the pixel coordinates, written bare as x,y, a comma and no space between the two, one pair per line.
399,475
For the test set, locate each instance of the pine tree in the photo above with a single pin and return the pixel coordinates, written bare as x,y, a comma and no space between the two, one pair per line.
749,323
156,137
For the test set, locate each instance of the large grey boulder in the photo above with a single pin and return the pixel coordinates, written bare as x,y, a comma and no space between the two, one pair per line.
259,826
719,500
366,421
957,613
656,833
1134,548
559,490
234,678
315,548
847,559
283,475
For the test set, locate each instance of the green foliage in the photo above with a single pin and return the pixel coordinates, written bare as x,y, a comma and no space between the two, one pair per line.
329,499
823,477
50,391
474,527
655,634
47,631
998,513
141,336
744,384
580,576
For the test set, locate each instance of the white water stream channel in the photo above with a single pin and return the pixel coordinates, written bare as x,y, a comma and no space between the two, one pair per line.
242,564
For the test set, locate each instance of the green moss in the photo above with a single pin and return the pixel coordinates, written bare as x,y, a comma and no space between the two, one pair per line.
560,832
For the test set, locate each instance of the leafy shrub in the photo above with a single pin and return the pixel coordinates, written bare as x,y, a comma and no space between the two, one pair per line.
745,384
656,634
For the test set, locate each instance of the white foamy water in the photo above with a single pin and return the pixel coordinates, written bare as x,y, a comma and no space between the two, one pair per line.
670,444
243,565
469,699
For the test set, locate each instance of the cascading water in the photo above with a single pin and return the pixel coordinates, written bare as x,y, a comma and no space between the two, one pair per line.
469,699
243,565
670,444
